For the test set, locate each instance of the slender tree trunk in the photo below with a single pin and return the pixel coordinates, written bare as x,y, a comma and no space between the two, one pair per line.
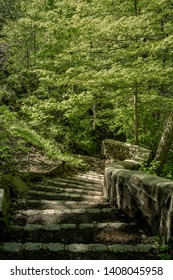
165,144
27,55
136,93
164,57
94,117
136,7
136,115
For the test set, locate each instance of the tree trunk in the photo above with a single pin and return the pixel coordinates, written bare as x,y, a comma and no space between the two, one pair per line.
136,139
94,117
136,7
165,144
136,115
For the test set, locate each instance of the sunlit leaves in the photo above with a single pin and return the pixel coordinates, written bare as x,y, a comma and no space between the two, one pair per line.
66,56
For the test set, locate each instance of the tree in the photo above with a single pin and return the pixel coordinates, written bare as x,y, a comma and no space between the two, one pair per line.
7,11
75,66
165,144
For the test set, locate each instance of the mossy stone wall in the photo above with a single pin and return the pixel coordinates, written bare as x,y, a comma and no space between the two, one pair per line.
139,194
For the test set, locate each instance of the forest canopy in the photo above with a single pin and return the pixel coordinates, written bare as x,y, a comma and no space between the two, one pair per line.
73,73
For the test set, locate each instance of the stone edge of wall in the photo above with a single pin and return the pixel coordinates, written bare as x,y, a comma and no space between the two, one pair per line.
112,149
139,194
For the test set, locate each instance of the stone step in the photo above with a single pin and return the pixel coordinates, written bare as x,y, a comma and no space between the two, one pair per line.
68,219
91,173
58,227
32,212
74,184
87,215
68,190
73,180
109,233
63,196
90,178
56,204
30,250
83,177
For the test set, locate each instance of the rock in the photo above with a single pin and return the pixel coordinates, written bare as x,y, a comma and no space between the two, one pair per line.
13,187
35,176
17,187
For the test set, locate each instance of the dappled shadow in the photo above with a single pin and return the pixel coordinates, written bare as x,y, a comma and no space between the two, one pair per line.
74,213
85,227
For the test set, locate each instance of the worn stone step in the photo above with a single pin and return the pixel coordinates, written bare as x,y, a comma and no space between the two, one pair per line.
68,190
109,233
93,178
91,173
29,250
68,218
58,227
82,178
90,177
75,247
74,184
56,204
88,215
32,212
64,195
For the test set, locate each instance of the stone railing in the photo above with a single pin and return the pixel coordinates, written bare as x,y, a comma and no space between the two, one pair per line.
112,149
140,195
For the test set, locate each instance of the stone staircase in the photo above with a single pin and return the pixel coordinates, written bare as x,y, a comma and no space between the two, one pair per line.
68,218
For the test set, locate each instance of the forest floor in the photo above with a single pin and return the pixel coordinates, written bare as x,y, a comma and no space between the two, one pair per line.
37,162
34,161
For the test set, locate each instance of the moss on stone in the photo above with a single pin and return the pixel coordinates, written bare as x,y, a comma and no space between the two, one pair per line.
18,188
6,205
13,187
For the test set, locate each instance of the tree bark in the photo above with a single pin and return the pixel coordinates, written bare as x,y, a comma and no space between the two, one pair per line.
136,115
165,144
136,7
94,117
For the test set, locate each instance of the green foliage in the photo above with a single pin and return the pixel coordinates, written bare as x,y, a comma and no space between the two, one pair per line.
5,136
168,170
150,168
65,58
164,249
17,138
7,11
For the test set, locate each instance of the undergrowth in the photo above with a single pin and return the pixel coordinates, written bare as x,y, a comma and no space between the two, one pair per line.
17,138
167,171
164,249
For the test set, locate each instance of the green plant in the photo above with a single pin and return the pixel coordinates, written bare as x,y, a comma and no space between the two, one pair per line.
150,168
168,171
164,249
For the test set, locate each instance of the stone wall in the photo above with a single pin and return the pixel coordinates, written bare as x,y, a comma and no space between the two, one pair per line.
112,149
140,195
